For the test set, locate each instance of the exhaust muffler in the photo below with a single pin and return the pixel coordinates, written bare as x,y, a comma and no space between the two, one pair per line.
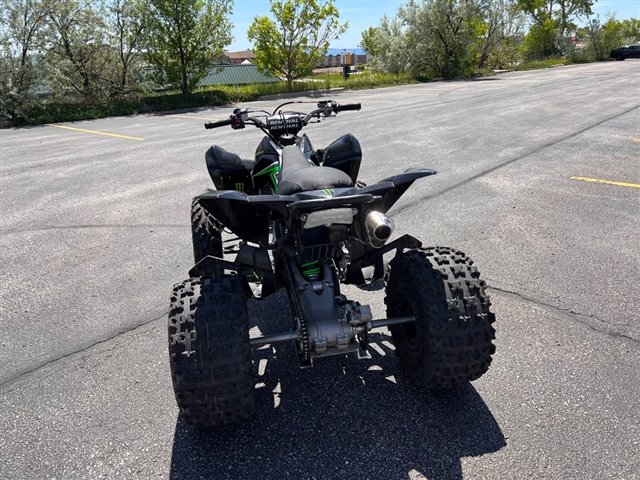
379,228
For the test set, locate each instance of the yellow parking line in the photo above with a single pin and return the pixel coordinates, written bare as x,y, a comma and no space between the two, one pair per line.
96,132
607,182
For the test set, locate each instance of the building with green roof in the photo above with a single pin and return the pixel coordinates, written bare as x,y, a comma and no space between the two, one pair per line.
236,75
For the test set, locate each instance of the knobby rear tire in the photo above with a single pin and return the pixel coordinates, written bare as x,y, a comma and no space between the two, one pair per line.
210,352
450,343
206,233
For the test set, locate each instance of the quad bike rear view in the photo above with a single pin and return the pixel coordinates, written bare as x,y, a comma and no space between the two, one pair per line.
303,221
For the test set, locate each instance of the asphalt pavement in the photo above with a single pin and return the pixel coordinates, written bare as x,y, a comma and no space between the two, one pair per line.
538,181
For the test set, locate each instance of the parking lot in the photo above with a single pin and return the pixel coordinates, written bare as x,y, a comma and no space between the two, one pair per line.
538,181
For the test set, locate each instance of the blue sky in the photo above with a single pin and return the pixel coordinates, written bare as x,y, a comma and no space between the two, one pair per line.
365,13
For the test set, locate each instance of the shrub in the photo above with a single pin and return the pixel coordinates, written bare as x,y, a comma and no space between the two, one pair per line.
541,41
51,112
580,55
160,103
34,113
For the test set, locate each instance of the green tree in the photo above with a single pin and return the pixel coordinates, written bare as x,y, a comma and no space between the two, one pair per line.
293,44
631,30
368,40
442,36
128,30
563,12
602,38
501,23
94,49
541,41
545,14
386,46
80,58
446,38
185,37
21,25
570,10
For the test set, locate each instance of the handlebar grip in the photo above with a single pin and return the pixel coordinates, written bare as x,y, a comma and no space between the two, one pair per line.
220,123
348,106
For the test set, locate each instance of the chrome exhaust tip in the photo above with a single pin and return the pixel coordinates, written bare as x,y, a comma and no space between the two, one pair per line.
379,228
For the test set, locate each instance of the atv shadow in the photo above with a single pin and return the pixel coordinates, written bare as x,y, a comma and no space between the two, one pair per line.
343,418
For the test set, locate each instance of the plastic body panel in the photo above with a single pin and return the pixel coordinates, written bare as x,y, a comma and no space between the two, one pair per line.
267,167
228,171
248,215
344,154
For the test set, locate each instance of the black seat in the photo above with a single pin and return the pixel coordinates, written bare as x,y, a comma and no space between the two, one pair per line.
298,175
218,158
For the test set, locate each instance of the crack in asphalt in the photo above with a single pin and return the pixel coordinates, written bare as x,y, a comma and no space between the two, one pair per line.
576,316
46,228
506,163
5,382
442,101
572,314
398,211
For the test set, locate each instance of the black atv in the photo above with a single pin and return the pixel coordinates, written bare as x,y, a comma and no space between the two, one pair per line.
304,222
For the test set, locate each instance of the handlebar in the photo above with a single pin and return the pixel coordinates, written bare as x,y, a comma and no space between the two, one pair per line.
220,123
275,124
327,107
347,106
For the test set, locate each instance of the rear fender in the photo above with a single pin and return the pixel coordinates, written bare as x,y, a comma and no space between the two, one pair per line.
392,188
247,216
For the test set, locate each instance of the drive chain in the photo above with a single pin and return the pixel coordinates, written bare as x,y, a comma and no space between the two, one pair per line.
304,346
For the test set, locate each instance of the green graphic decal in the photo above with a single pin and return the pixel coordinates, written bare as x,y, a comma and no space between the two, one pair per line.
329,191
272,171
240,186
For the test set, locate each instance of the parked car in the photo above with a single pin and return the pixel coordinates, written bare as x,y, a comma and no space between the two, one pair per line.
630,51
